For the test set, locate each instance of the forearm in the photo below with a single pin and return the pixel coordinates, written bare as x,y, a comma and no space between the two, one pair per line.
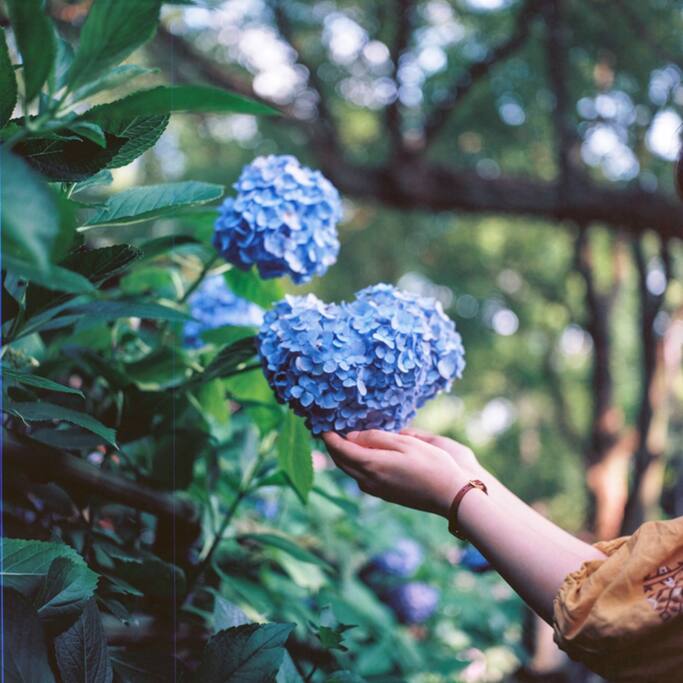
525,514
532,561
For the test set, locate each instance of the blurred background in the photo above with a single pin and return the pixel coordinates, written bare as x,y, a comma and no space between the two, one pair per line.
515,160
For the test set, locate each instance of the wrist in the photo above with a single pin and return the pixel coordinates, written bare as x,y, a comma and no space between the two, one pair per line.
449,489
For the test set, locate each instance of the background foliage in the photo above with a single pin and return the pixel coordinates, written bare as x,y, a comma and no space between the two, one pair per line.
165,499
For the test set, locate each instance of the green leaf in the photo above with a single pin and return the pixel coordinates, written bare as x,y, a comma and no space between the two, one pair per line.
54,278
25,655
66,589
227,615
119,75
153,201
102,177
228,360
161,245
286,544
344,677
63,61
67,160
167,99
250,286
27,562
29,214
29,380
140,133
39,411
228,334
8,83
36,41
113,310
288,672
294,454
81,651
90,131
251,653
163,368
113,29
156,578
100,264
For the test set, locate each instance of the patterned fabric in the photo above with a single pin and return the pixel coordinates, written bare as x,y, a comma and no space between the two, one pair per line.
623,616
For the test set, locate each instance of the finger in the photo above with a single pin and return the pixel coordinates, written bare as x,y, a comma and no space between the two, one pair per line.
377,439
346,451
420,434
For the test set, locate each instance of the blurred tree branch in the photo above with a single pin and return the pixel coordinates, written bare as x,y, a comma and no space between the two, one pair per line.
478,70
416,182
392,114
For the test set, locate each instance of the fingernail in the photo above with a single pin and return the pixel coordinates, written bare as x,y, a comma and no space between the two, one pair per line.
352,436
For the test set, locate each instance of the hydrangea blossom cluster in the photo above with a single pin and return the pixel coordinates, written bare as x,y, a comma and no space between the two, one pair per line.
402,560
365,364
473,560
213,304
414,602
283,220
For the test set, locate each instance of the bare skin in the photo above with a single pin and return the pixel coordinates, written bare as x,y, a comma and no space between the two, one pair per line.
423,471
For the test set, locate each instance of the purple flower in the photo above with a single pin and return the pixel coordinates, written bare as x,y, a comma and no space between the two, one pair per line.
366,364
473,560
402,560
213,305
283,220
414,602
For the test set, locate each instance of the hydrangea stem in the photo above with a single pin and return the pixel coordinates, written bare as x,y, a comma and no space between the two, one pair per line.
205,269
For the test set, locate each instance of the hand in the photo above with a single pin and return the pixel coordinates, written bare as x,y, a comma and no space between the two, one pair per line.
399,468
463,456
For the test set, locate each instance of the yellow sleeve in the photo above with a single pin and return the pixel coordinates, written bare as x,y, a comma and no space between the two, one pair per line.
623,616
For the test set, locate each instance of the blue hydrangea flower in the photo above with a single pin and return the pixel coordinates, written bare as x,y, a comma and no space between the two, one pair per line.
283,220
365,364
213,304
414,602
473,560
402,560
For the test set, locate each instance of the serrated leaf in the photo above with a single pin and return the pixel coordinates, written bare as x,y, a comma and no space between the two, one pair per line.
294,454
140,133
66,589
25,656
113,29
101,264
36,41
27,562
119,75
250,286
166,99
81,651
145,203
29,213
287,545
344,677
69,160
251,653
40,411
30,380
8,83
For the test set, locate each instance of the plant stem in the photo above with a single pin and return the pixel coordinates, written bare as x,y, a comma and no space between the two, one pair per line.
206,268
243,491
